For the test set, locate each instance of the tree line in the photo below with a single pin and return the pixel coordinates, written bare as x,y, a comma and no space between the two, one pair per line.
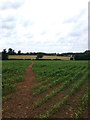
73,56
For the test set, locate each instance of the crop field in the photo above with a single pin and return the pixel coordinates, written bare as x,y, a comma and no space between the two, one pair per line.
60,83
0,80
57,57
12,73
34,57
22,57
61,89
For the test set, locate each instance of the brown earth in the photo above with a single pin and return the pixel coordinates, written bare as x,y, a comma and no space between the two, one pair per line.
64,112
21,103
18,103
68,111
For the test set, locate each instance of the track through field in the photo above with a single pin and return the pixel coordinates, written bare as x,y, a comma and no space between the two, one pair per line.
19,104
49,90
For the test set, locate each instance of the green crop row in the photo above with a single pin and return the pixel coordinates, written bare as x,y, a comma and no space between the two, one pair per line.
64,85
56,76
12,72
60,104
41,88
80,109
45,69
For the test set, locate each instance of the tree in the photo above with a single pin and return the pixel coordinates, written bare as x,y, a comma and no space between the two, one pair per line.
19,52
4,54
13,52
39,55
10,51
83,56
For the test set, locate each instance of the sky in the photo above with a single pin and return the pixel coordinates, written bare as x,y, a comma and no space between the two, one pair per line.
52,26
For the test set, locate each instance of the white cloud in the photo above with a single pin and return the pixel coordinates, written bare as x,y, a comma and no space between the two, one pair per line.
44,25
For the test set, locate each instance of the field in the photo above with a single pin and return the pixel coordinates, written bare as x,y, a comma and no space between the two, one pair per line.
12,73
59,89
34,57
22,57
0,81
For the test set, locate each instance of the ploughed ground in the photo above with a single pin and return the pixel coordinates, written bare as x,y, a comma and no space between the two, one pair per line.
20,104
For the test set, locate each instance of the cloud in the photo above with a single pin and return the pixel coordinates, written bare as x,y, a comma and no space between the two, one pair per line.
47,26
10,4
74,19
57,34
43,32
7,26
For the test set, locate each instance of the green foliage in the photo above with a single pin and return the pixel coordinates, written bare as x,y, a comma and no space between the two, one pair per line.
58,75
83,56
61,103
65,84
4,55
12,73
66,75
39,55
83,104
51,73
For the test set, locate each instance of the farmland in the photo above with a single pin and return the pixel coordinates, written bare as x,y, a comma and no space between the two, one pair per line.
22,57
12,73
60,89
34,57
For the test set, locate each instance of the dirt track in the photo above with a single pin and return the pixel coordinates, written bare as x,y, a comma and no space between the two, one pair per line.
20,103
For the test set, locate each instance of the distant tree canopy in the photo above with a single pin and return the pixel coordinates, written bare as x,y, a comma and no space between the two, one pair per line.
19,52
39,55
11,51
75,56
4,54
83,56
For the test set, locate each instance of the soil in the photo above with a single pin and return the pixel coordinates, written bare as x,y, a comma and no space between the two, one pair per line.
20,104
68,111
17,104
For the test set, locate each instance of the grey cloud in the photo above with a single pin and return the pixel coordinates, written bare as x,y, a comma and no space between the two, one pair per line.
74,41
11,4
77,39
74,19
16,43
75,34
43,33
8,26
28,36
57,34
8,22
7,34
89,25
8,19
79,30
27,23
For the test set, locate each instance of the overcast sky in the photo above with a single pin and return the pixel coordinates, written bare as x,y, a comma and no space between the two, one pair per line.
44,25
